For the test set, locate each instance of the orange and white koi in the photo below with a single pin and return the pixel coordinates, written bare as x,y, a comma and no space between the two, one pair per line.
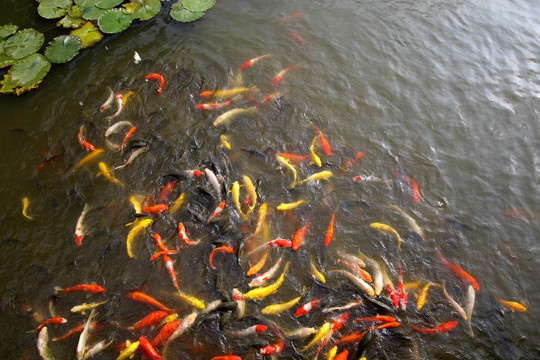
255,268
107,104
263,278
156,77
54,320
238,298
182,235
79,228
129,134
360,283
252,61
85,144
170,268
298,237
330,230
357,270
445,327
114,129
459,273
322,140
213,106
277,79
184,325
377,274
387,229
85,334
88,288
307,307
223,249
217,211
272,349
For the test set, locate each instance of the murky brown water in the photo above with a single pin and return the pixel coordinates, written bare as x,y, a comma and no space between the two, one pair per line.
445,93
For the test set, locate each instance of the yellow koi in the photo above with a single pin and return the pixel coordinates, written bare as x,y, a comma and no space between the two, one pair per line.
167,319
250,189
230,115
290,206
177,204
277,308
332,353
226,94
126,97
129,351
25,205
137,228
386,229
316,274
91,156
512,305
288,164
262,292
107,174
82,308
261,216
192,300
235,191
224,141
323,175
316,159
323,330
412,223
422,297
136,203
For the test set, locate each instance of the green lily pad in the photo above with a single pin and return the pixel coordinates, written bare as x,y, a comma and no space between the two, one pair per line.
92,13
25,74
71,22
108,4
6,61
198,5
23,43
87,3
7,30
114,21
180,13
75,11
88,34
146,9
63,48
52,9
130,7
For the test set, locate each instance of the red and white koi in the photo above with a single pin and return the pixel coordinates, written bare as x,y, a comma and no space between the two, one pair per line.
307,307
79,228
107,104
213,106
263,278
350,305
156,77
119,105
182,235
85,144
170,268
252,61
54,320
217,211
114,129
277,79
238,297
272,349
252,330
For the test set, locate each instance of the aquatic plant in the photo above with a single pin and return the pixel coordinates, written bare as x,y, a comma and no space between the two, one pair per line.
88,20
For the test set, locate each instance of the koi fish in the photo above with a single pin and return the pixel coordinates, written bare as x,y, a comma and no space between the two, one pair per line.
162,253
360,283
192,300
156,77
107,104
250,189
415,191
218,210
148,350
323,330
43,344
380,318
252,330
298,237
165,333
87,288
113,129
255,268
323,175
107,174
386,229
212,178
225,94
401,290
330,230
96,349
54,320
469,306
290,16
447,326
316,159
307,307
357,270
412,223
129,351
263,278
213,106
177,204
300,332
272,349
459,273
88,158
238,298
353,160
274,243
368,178
377,274
422,297
83,338
224,139
322,140
155,209
350,305
83,308
261,216
85,144
25,205
262,292
119,105
166,191
136,229
278,308
288,164
235,191
512,305
277,79
170,268
315,273
129,134
73,331
183,236
227,117
388,325
252,61
455,305
223,248
149,320
226,357
298,38
289,206
147,300
133,155
185,324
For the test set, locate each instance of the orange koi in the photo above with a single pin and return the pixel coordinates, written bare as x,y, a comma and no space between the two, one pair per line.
165,333
156,77
322,140
357,269
447,326
415,191
213,106
380,318
73,331
294,157
85,144
159,242
148,349
129,134
298,237
354,337
459,273
277,79
54,320
166,191
88,288
226,357
330,230
353,160
290,16
252,61
222,248
146,299
298,38
182,235
255,268
155,209
162,253
149,320
170,268
345,353
388,325
217,211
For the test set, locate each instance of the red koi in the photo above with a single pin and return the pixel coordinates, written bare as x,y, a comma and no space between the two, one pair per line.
156,209
277,79
213,106
73,331
280,243
149,320
170,268
54,320
217,211
148,300
353,160
459,273
339,321
304,309
224,249
165,333
162,253
388,325
380,318
298,237
156,77
182,235
85,144
415,191
88,288
322,140
272,349
252,61
293,157
344,354
401,290
148,350
330,230
127,137
166,191
447,326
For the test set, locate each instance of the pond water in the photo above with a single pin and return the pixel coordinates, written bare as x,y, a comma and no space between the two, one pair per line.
441,94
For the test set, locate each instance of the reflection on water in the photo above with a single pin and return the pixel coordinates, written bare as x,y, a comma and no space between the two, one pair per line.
429,112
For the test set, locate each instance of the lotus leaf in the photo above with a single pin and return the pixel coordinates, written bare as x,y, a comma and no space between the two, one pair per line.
63,48
23,43
92,13
108,4
5,61
87,3
114,21
198,5
88,34
180,13
25,74
146,9
7,30
52,9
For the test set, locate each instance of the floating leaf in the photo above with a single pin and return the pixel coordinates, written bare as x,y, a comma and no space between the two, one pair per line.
180,13
87,3
114,21
25,74
92,13
75,11
23,43
7,30
6,61
198,5
52,9
73,19
63,48
88,34
108,4
146,9
130,7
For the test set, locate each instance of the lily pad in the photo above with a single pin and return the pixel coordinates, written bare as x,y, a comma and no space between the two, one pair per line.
88,34
180,13
23,43
108,4
114,21
146,9
25,74
73,19
7,30
6,61
87,3
63,48
92,13
52,9
198,5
